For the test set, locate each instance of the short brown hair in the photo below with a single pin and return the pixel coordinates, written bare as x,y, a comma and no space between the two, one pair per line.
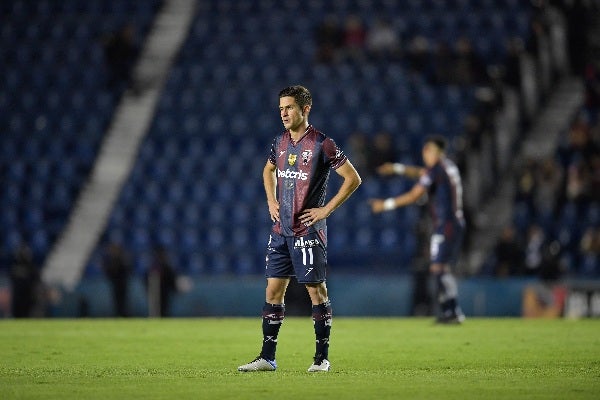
300,94
439,141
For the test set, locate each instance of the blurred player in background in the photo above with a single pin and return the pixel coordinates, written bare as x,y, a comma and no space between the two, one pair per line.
295,178
440,180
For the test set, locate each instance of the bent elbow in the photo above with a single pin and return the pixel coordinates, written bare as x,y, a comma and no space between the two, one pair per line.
357,181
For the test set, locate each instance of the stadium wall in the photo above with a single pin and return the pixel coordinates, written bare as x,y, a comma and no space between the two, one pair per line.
352,295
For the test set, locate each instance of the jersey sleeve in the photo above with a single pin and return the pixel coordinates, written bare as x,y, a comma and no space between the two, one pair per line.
334,156
272,154
426,179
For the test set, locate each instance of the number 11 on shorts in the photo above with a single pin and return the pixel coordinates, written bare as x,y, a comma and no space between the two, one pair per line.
310,256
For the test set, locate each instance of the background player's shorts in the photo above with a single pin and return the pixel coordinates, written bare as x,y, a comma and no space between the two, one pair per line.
446,243
304,257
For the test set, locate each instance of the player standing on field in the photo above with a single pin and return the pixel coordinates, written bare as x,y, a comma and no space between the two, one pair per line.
441,181
295,178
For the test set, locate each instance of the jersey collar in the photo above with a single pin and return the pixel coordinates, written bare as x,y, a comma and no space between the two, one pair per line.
308,128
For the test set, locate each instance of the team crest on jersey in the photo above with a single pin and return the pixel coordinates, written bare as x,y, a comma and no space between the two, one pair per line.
292,159
306,156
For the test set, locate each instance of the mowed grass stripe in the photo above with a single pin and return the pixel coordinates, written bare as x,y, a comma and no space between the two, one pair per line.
371,358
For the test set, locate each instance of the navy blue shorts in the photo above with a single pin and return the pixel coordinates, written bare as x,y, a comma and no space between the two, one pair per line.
304,257
446,243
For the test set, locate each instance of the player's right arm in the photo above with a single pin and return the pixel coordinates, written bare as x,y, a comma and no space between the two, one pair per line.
270,182
409,171
381,205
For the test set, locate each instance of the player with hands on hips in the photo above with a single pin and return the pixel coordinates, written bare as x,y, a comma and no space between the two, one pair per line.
295,177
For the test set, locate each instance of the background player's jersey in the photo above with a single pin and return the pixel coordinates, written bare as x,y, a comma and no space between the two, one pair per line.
302,174
444,188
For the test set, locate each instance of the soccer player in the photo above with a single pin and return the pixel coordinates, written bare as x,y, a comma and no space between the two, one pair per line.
440,180
295,178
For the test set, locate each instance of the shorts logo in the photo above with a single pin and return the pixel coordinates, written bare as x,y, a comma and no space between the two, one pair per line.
302,243
306,156
292,159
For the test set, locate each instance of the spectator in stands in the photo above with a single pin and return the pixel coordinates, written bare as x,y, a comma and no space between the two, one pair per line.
551,267
354,36
534,245
526,185
577,157
418,56
537,36
595,177
579,183
589,248
592,88
509,254
512,66
579,15
359,151
539,186
120,52
160,281
117,268
474,132
383,42
382,151
548,183
25,279
468,68
442,60
579,142
328,39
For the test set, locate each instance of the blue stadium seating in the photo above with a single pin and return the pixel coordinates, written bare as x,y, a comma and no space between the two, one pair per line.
54,108
196,186
197,181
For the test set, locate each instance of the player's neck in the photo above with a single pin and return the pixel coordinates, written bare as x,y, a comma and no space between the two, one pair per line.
297,133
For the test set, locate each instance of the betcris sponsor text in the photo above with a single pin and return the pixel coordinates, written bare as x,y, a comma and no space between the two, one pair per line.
290,174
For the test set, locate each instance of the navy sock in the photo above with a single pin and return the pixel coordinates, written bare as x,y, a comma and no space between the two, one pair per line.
273,315
322,315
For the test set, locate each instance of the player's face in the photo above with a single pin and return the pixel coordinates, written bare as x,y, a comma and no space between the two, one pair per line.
431,154
291,115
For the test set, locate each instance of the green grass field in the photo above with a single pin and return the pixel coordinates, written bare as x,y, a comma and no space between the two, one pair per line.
371,359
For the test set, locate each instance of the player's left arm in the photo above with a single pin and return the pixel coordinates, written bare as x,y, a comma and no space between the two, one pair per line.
380,205
351,181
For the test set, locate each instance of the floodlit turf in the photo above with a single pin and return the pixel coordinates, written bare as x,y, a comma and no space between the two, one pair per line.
371,359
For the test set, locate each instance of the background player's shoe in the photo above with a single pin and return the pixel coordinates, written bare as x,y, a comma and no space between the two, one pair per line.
258,364
322,366
455,318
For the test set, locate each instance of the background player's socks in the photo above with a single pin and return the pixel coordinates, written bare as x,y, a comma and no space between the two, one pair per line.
447,292
322,315
273,315
448,307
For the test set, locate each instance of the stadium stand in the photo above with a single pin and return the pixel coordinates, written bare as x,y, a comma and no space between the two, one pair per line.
56,101
196,186
557,205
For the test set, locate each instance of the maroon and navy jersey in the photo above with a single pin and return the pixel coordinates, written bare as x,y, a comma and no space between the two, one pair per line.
444,188
302,173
